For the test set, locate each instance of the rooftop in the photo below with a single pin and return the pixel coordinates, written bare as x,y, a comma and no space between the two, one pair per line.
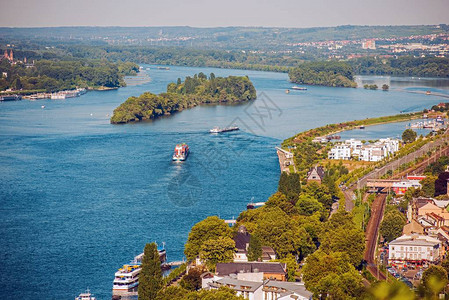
238,285
224,269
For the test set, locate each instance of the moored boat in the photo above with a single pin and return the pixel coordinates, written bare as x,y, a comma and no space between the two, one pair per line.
85,296
10,98
181,152
299,88
126,280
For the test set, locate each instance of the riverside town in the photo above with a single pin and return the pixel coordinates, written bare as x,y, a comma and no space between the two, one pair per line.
206,150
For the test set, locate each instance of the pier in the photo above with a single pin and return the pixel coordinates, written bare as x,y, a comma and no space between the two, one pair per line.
231,222
285,160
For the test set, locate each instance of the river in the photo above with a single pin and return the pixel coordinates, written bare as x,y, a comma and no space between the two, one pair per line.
79,197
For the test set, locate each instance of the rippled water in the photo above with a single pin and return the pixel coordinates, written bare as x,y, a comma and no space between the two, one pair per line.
79,197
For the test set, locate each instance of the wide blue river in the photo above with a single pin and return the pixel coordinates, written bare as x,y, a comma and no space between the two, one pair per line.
79,197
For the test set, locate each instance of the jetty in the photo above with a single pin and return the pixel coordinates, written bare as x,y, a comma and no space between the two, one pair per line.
285,159
231,222
253,205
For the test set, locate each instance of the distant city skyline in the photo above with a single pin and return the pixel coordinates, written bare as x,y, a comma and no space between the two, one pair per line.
202,13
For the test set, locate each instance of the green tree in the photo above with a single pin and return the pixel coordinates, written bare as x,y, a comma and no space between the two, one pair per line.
333,275
292,266
290,185
210,228
219,250
320,192
18,84
433,281
392,225
409,136
340,234
395,290
254,248
192,280
172,293
150,278
428,186
277,230
223,293
280,200
445,264
307,205
178,293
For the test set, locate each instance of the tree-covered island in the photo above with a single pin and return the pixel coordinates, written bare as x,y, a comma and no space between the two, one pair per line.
327,73
181,95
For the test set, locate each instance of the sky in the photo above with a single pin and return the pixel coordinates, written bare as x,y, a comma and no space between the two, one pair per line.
212,13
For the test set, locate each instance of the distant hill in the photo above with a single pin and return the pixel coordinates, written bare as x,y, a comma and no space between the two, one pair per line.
243,38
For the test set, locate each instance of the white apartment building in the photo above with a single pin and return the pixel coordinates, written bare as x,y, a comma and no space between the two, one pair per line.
392,145
341,151
354,144
375,152
414,248
372,153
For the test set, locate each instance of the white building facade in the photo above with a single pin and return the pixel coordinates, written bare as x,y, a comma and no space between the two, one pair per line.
340,152
414,248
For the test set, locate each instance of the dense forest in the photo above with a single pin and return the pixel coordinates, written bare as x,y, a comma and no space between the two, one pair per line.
405,65
330,73
181,95
55,75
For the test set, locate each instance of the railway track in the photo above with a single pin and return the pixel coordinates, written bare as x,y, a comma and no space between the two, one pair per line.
372,231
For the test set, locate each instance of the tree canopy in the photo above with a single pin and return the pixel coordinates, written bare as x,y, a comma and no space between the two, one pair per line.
150,277
409,136
328,73
219,250
392,224
332,274
211,228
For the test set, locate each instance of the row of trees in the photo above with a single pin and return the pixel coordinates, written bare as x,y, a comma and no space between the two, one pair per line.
404,65
54,75
181,95
328,73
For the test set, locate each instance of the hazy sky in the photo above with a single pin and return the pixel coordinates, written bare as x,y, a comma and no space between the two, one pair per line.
212,13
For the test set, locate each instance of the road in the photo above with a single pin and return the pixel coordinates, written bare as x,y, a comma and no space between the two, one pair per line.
372,231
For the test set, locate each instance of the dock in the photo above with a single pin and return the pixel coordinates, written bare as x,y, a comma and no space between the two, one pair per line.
285,159
231,222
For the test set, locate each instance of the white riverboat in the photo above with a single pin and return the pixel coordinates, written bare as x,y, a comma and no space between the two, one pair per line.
85,296
126,280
